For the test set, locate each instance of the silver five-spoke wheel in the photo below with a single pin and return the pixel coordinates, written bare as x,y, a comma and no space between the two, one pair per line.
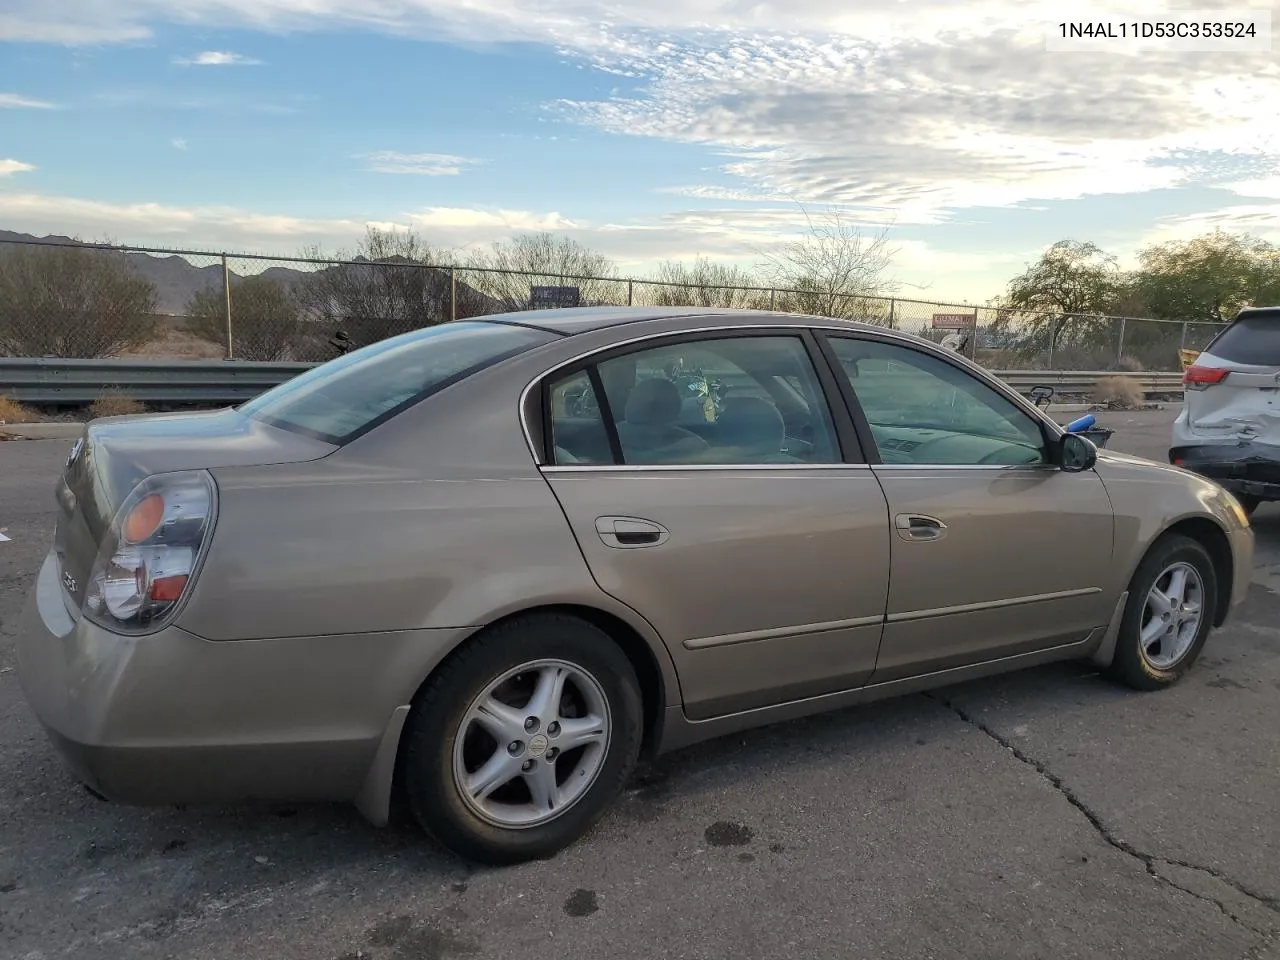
531,744
1171,617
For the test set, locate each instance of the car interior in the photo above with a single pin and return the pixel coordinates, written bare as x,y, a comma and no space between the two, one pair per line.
692,403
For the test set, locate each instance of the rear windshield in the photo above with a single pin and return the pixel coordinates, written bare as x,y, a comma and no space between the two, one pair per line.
1252,340
339,400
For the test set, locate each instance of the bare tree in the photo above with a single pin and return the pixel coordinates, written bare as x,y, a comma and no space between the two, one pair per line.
394,282
834,270
72,302
266,319
543,259
703,283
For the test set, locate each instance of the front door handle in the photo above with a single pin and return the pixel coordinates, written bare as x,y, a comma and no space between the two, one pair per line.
915,526
629,532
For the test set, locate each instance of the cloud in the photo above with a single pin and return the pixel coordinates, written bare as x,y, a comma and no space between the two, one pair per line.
8,167
179,143
422,164
217,58
920,107
15,101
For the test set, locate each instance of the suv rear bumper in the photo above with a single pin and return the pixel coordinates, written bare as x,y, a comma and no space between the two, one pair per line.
1244,467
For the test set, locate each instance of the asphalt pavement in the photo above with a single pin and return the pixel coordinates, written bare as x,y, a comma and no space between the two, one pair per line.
1047,813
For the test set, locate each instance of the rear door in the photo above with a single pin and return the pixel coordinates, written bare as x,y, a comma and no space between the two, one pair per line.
1233,389
743,525
996,551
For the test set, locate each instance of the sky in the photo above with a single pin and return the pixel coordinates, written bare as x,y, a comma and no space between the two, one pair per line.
647,129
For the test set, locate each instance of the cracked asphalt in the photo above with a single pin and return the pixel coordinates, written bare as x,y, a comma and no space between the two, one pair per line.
1046,813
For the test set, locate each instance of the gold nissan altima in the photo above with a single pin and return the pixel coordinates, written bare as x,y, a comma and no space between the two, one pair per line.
487,564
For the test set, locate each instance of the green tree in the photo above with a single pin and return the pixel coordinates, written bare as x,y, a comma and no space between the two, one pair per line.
1209,278
266,319
72,302
1060,300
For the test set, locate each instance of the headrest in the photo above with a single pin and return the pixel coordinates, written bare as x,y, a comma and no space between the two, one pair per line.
752,420
653,402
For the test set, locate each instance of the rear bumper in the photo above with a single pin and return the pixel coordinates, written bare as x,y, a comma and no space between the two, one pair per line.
172,718
1243,467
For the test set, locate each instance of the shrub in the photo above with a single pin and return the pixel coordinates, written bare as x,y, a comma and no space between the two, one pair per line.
266,320
1119,393
11,411
72,302
112,403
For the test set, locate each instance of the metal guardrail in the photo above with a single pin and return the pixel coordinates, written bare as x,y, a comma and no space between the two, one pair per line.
74,382
1082,381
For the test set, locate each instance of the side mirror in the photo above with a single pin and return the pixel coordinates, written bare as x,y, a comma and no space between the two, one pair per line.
1076,454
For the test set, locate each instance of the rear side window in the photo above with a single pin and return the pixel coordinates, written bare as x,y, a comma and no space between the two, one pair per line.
1253,340
343,398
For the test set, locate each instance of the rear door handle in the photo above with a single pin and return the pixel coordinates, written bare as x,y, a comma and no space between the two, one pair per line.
630,532
915,526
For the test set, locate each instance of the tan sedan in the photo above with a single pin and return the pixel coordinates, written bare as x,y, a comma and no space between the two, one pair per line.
489,563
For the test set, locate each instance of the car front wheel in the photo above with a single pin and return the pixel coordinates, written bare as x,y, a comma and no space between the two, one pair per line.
1168,616
523,738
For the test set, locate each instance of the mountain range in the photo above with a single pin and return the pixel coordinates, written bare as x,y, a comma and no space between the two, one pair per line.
176,278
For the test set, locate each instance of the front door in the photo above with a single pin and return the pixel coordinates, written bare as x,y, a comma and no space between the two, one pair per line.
995,551
708,490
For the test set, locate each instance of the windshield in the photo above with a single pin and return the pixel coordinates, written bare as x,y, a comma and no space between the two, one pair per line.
343,398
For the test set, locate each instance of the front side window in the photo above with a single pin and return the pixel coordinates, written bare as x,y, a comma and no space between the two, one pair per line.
923,410
338,400
733,400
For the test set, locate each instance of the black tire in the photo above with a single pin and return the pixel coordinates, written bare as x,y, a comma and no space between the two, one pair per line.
1130,666
434,723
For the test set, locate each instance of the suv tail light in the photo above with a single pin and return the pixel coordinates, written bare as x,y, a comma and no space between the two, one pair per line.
149,555
1198,378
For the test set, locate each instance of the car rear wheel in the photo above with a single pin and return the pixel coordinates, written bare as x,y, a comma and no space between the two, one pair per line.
1168,616
523,738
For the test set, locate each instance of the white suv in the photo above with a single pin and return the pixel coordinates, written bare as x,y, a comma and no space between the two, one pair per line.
1229,427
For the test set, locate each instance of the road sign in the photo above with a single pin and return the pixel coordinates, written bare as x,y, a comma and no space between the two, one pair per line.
955,321
554,298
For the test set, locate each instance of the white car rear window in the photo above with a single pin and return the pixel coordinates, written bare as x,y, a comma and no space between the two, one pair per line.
1252,340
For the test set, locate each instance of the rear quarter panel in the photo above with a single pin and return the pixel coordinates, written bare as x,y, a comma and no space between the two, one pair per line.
434,521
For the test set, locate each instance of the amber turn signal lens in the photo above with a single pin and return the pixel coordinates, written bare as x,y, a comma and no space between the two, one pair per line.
144,519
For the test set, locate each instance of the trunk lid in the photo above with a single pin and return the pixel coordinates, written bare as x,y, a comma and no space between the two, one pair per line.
115,454
1243,406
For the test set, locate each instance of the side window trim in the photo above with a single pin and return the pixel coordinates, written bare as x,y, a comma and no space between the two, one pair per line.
849,446
863,425
606,413
849,403
854,448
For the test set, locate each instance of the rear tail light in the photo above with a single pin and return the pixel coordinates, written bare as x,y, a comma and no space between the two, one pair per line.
148,557
1198,378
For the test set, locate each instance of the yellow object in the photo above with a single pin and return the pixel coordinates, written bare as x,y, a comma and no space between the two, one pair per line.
1188,357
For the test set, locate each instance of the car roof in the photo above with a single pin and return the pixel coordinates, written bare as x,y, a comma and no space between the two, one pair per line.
1259,313
575,320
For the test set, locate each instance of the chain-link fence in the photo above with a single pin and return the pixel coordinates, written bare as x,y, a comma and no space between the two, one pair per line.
61,300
